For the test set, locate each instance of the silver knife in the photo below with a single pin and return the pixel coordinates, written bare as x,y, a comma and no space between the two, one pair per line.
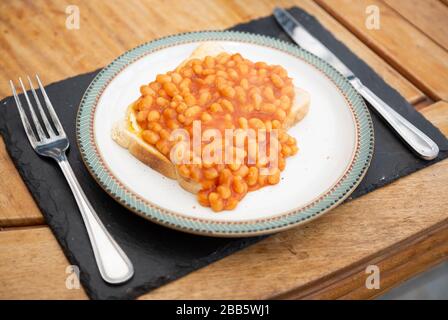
419,142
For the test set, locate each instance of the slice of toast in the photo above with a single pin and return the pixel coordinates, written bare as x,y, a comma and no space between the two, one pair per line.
126,131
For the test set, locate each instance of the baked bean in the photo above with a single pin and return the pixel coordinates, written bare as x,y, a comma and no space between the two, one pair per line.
208,72
231,63
268,93
243,123
217,205
257,99
286,150
281,163
154,126
239,185
231,204
268,107
204,98
244,83
235,165
225,176
262,73
164,134
181,107
243,68
163,146
237,57
223,58
228,92
242,171
294,149
192,111
147,91
209,62
187,72
211,173
252,177
224,191
209,79
184,171
274,177
163,78
233,74
181,118
203,198
288,90
215,107
256,123
197,68
281,114
146,102
206,117
189,99
170,89
169,113
160,101
142,115
240,94
153,115
277,81
227,105
172,124
176,78
260,65
276,124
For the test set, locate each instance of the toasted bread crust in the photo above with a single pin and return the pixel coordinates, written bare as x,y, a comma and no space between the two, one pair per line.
150,156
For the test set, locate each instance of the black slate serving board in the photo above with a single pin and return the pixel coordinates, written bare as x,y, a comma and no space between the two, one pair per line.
161,255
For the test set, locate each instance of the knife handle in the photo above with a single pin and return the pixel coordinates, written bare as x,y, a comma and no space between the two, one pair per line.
419,142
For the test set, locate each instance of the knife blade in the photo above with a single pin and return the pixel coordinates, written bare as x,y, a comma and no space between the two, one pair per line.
419,142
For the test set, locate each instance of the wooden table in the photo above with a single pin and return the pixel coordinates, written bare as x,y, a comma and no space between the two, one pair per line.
401,228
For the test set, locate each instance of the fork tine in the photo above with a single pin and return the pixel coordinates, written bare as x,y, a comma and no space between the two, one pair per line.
26,124
50,108
41,110
39,129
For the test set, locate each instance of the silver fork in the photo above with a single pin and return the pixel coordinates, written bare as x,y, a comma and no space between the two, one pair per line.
113,264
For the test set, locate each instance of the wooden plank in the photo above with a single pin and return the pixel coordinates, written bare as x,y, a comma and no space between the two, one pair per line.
438,115
30,25
430,16
17,208
445,2
396,265
405,47
32,266
390,75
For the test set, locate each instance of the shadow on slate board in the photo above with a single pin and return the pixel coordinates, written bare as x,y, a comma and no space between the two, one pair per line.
159,254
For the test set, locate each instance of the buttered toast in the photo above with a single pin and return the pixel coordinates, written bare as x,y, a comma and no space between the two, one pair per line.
222,91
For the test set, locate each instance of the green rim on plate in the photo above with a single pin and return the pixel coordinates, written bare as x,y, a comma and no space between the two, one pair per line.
340,191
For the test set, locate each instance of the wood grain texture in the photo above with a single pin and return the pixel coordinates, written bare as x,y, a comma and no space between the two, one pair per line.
33,39
429,16
404,46
401,227
438,115
42,270
17,207
390,75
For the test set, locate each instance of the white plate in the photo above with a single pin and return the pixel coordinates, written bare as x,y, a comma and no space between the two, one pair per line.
329,140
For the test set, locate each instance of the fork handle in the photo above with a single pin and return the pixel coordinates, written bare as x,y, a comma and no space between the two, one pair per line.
113,264
419,142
